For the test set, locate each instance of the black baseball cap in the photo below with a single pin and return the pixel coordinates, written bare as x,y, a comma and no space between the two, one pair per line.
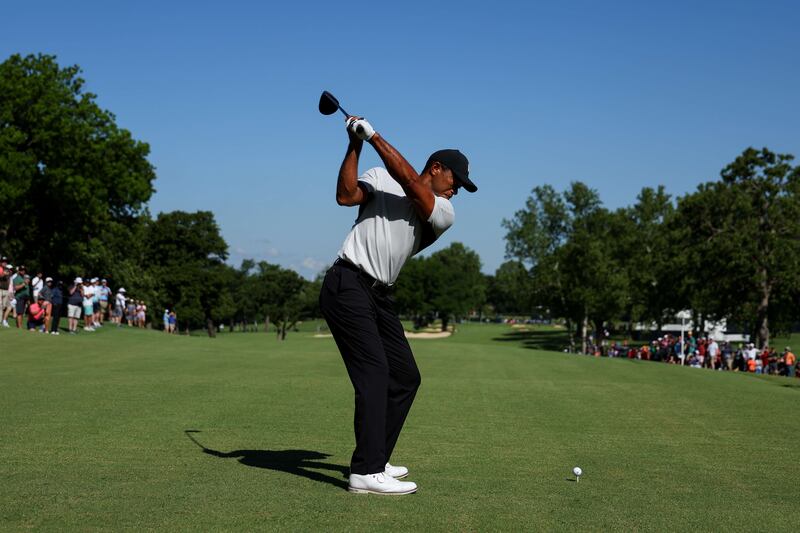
458,163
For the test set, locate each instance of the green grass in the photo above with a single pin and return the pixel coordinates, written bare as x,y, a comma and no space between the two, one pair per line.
94,437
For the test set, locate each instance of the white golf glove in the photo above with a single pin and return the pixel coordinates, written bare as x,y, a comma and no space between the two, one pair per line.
361,128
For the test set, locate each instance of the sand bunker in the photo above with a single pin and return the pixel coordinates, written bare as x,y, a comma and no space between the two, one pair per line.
428,335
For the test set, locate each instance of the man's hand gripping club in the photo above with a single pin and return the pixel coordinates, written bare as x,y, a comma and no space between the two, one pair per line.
360,128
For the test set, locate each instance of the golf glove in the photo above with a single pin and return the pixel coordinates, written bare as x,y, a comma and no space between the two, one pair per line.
361,128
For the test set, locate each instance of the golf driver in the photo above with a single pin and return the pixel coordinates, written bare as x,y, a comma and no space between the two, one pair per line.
328,105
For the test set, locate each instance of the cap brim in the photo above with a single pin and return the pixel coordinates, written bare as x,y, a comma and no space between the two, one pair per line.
466,183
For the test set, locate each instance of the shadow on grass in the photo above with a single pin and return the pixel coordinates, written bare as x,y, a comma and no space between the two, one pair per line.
551,340
303,463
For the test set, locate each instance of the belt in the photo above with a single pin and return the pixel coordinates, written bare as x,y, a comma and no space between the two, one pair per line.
372,282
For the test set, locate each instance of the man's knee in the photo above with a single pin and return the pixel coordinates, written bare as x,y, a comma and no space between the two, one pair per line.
412,380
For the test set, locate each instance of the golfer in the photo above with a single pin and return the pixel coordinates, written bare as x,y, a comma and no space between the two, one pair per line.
400,213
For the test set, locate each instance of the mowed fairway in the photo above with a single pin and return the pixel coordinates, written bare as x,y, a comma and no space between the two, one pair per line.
94,436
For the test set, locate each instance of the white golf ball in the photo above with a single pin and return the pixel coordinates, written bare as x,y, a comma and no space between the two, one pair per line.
577,471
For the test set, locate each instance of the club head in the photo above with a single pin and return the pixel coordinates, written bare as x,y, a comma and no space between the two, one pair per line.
328,104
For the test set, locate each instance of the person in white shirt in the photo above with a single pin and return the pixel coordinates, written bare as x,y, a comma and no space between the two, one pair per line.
400,213
37,284
119,306
713,352
88,305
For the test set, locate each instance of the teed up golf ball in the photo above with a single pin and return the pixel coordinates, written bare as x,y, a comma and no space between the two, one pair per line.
577,471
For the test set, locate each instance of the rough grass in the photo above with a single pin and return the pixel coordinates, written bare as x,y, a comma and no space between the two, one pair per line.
137,430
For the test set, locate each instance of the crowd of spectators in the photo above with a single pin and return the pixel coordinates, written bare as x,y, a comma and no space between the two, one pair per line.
39,303
703,352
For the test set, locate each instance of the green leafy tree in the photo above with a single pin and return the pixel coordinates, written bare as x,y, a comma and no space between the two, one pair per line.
282,296
413,287
456,284
72,183
510,290
571,245
185,256
744,230
649,258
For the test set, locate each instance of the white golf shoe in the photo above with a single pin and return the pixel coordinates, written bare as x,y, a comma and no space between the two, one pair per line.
380,483
397,472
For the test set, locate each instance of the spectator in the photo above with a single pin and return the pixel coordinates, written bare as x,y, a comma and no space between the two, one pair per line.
130,312
5,295
166,320
712,350
47,293
56,300
119,306
751,352
88,305
764,358
37,284
103,292
141,314
21,294
74,304
173,321
727,355
789,360
36,315
96,303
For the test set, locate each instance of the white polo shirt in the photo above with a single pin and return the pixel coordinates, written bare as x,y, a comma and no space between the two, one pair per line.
388,230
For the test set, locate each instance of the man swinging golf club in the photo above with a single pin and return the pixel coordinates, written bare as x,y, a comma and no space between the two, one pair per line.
400,213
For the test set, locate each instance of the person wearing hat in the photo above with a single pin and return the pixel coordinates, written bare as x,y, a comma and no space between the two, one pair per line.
5,295
103,291
400,213
119,307
22,293
88,304
36,315
74,304
95,288
46,292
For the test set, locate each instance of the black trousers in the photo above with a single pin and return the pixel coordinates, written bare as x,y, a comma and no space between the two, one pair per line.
379,362
55,317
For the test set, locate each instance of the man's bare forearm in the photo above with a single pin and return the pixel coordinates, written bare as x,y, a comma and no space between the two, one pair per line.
347,190
402,171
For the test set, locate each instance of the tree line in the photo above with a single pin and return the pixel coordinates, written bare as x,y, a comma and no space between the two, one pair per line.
729,250
74,189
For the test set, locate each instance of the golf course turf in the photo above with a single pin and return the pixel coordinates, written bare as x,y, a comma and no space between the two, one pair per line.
134,429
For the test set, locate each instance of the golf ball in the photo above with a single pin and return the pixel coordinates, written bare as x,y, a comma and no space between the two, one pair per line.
577,471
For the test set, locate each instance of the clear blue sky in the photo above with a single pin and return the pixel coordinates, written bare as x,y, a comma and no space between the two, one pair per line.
620,95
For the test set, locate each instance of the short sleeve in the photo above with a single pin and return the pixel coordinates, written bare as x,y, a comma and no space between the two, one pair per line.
442,216
370,179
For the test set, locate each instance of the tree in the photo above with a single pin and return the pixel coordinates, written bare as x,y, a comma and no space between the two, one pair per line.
414,286
282,295
649,258
747,241
185,255
456,283
572,247
72,183
510,290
